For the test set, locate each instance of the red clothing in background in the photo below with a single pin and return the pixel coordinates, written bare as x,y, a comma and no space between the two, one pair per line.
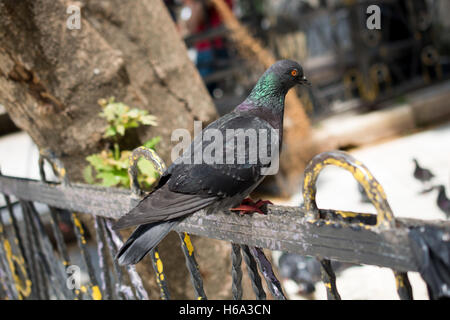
212,20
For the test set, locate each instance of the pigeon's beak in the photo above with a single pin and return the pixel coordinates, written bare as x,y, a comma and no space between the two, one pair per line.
304,81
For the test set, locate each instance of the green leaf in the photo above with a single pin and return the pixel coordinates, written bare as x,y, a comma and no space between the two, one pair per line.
122,176
122,164
108,179
120,172
121,129
151,144
133,113
132,124
119,108
110,132
108,113
121,117
97,162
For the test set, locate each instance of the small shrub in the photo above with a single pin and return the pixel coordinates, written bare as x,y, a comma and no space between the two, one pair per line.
109,168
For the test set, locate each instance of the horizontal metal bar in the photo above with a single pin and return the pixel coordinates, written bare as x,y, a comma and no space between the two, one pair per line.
343,236
105,202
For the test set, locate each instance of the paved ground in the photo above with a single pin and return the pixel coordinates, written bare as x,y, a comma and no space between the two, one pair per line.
391,164
19,156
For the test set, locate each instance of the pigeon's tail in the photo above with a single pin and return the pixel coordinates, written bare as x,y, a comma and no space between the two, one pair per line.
145,238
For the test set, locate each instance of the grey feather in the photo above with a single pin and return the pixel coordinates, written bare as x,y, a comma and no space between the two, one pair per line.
163,205
144,239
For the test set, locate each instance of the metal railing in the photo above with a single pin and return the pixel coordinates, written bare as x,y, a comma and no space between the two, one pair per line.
32,268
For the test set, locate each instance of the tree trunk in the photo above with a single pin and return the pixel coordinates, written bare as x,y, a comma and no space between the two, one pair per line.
51,78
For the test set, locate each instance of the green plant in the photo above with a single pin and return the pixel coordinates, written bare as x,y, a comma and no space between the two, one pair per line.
121,117
109,168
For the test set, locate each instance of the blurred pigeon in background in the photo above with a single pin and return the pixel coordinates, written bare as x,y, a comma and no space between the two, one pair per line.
304,271
422,174
442,201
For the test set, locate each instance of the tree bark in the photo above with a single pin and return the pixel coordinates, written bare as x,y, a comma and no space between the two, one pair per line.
51,78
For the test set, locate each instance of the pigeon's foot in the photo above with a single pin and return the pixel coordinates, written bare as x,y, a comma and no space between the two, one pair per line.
249,206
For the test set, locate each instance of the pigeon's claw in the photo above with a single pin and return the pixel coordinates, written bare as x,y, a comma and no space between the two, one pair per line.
249,206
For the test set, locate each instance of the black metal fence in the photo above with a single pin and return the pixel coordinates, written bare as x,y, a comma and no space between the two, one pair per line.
35,264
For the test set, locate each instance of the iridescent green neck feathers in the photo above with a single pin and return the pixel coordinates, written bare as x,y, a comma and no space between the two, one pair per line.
268,93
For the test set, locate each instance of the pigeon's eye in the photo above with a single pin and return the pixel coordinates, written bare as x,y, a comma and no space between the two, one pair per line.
294,72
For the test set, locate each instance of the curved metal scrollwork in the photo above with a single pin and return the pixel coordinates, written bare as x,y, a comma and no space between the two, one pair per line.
374,192
373,189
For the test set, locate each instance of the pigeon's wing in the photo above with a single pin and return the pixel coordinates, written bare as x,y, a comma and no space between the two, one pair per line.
162,205
225,178
187,187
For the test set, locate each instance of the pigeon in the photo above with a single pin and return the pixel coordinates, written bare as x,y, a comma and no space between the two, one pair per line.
442,201
187,187
305,271
422,174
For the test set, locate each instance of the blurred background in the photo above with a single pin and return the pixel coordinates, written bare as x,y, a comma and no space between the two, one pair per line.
380,90
351,66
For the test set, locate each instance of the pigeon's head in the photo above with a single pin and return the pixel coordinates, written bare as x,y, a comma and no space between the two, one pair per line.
288,73
270,90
